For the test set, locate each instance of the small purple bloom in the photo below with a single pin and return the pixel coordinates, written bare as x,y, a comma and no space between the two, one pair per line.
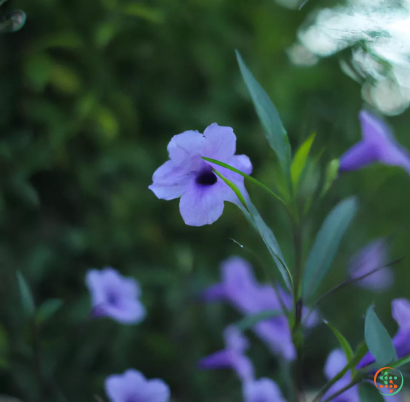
114,296
369,258
232,356
262,390
334,364
132,386
188,176
401,341
240,288
377,145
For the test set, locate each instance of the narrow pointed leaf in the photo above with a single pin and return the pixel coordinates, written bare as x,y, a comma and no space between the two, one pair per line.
251,320
347,349
48,309
26,296
299,160
253,216
234,188
332,170
378,339
326,244
250,178
268,115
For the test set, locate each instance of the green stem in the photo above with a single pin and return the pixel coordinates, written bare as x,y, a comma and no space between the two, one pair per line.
325,388
297,335
344,389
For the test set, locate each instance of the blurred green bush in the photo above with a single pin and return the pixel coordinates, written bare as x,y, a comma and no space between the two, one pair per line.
90,94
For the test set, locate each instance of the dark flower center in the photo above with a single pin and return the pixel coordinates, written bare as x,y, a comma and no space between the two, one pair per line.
112,298
206,177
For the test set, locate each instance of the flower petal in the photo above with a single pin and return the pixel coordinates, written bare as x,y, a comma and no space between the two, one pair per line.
360,155
217,360
156,391
378,145
242,163
336,361
369,258
127,312
264,390
170,181
240,284
235,340
95,287
220,142
276,334
201,205
184,147
401,313
334,364
214,293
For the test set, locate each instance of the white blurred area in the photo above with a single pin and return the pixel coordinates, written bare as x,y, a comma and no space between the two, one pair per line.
378,33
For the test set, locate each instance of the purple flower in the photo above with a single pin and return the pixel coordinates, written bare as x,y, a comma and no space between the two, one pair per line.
401,341
132,386
262,390
241,289
335,363
369,258
232,356
377,145
188,176
115,296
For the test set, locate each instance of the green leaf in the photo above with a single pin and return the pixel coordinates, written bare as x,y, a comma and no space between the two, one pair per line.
233,187
361,350
378,339
268,115
332,171
26,296
141,10
251,320
253,216
250,178
299,160
48,309
369,393
347,349
326,244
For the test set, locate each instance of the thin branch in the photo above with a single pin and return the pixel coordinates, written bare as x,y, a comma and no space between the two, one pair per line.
348,386
352,280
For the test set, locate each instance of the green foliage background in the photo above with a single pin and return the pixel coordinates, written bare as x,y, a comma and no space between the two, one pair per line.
90,94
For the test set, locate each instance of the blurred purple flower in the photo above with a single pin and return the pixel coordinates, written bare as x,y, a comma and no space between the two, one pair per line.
377,145
188,176
232,356
240,288
132,386
262,390
401,341
334,364
114,296
370,257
